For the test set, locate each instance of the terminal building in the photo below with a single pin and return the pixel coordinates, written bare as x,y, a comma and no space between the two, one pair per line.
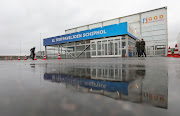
113,38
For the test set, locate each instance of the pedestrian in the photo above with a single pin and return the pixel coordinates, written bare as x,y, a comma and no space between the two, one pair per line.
138,48
32,52
142,47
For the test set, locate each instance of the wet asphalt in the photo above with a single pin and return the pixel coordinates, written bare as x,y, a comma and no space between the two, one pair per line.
85,87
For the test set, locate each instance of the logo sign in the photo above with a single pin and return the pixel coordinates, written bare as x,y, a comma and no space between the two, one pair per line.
111,30
153,19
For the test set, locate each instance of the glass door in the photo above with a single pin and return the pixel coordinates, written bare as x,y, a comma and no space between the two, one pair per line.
116,48
110,47
104,47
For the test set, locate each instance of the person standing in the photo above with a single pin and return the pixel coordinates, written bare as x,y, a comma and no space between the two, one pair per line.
142,47
138,48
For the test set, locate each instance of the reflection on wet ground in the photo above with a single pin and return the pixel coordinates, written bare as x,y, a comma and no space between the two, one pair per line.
85,87
120,82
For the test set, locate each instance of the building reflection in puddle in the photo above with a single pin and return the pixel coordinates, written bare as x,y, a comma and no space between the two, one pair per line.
126,82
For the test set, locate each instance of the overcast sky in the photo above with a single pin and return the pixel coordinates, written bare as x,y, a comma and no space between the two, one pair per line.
22,21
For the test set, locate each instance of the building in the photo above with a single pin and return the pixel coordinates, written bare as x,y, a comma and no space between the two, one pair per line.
113,38
40,53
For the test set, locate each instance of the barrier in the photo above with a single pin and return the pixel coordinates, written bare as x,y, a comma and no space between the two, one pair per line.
176,52
5,58
59,57
25,57
44,57
125,55
19,58
169,52
35,57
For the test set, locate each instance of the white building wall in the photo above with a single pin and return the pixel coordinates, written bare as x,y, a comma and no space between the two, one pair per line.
154,30
70,31
111,22
96,25
82,28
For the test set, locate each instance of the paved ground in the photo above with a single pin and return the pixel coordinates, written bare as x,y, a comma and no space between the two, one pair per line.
86,87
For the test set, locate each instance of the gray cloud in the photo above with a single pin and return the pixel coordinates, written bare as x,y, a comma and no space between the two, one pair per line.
23,21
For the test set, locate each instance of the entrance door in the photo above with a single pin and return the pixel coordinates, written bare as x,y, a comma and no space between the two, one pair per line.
116,48
150,50
110,47
104,47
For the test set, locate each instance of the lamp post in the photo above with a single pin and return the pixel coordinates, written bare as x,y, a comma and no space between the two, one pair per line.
40,44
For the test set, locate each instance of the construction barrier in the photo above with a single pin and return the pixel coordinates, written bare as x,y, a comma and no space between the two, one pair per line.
44,57
25,57
19,58
176,52
169,52
59,57
5,58
35,57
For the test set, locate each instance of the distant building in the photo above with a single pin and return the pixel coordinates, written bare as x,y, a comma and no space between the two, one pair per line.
40,53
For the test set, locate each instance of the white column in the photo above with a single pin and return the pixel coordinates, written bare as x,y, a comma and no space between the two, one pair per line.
154,49
58,49
46,51
75,52
121,46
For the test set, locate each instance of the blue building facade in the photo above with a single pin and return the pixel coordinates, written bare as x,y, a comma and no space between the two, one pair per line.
116,40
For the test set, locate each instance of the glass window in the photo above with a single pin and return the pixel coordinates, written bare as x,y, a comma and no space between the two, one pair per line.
93,46
104,47
105,73
70,44
93,53
80,42
123,38
94,72
123,44
99,47
110,47
99,73
111,73
116,74
116,48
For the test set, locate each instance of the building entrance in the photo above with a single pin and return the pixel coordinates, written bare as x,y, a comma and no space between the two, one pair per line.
110,47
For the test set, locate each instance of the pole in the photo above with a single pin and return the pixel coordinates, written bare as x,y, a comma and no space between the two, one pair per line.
20,47
40,41
40,44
